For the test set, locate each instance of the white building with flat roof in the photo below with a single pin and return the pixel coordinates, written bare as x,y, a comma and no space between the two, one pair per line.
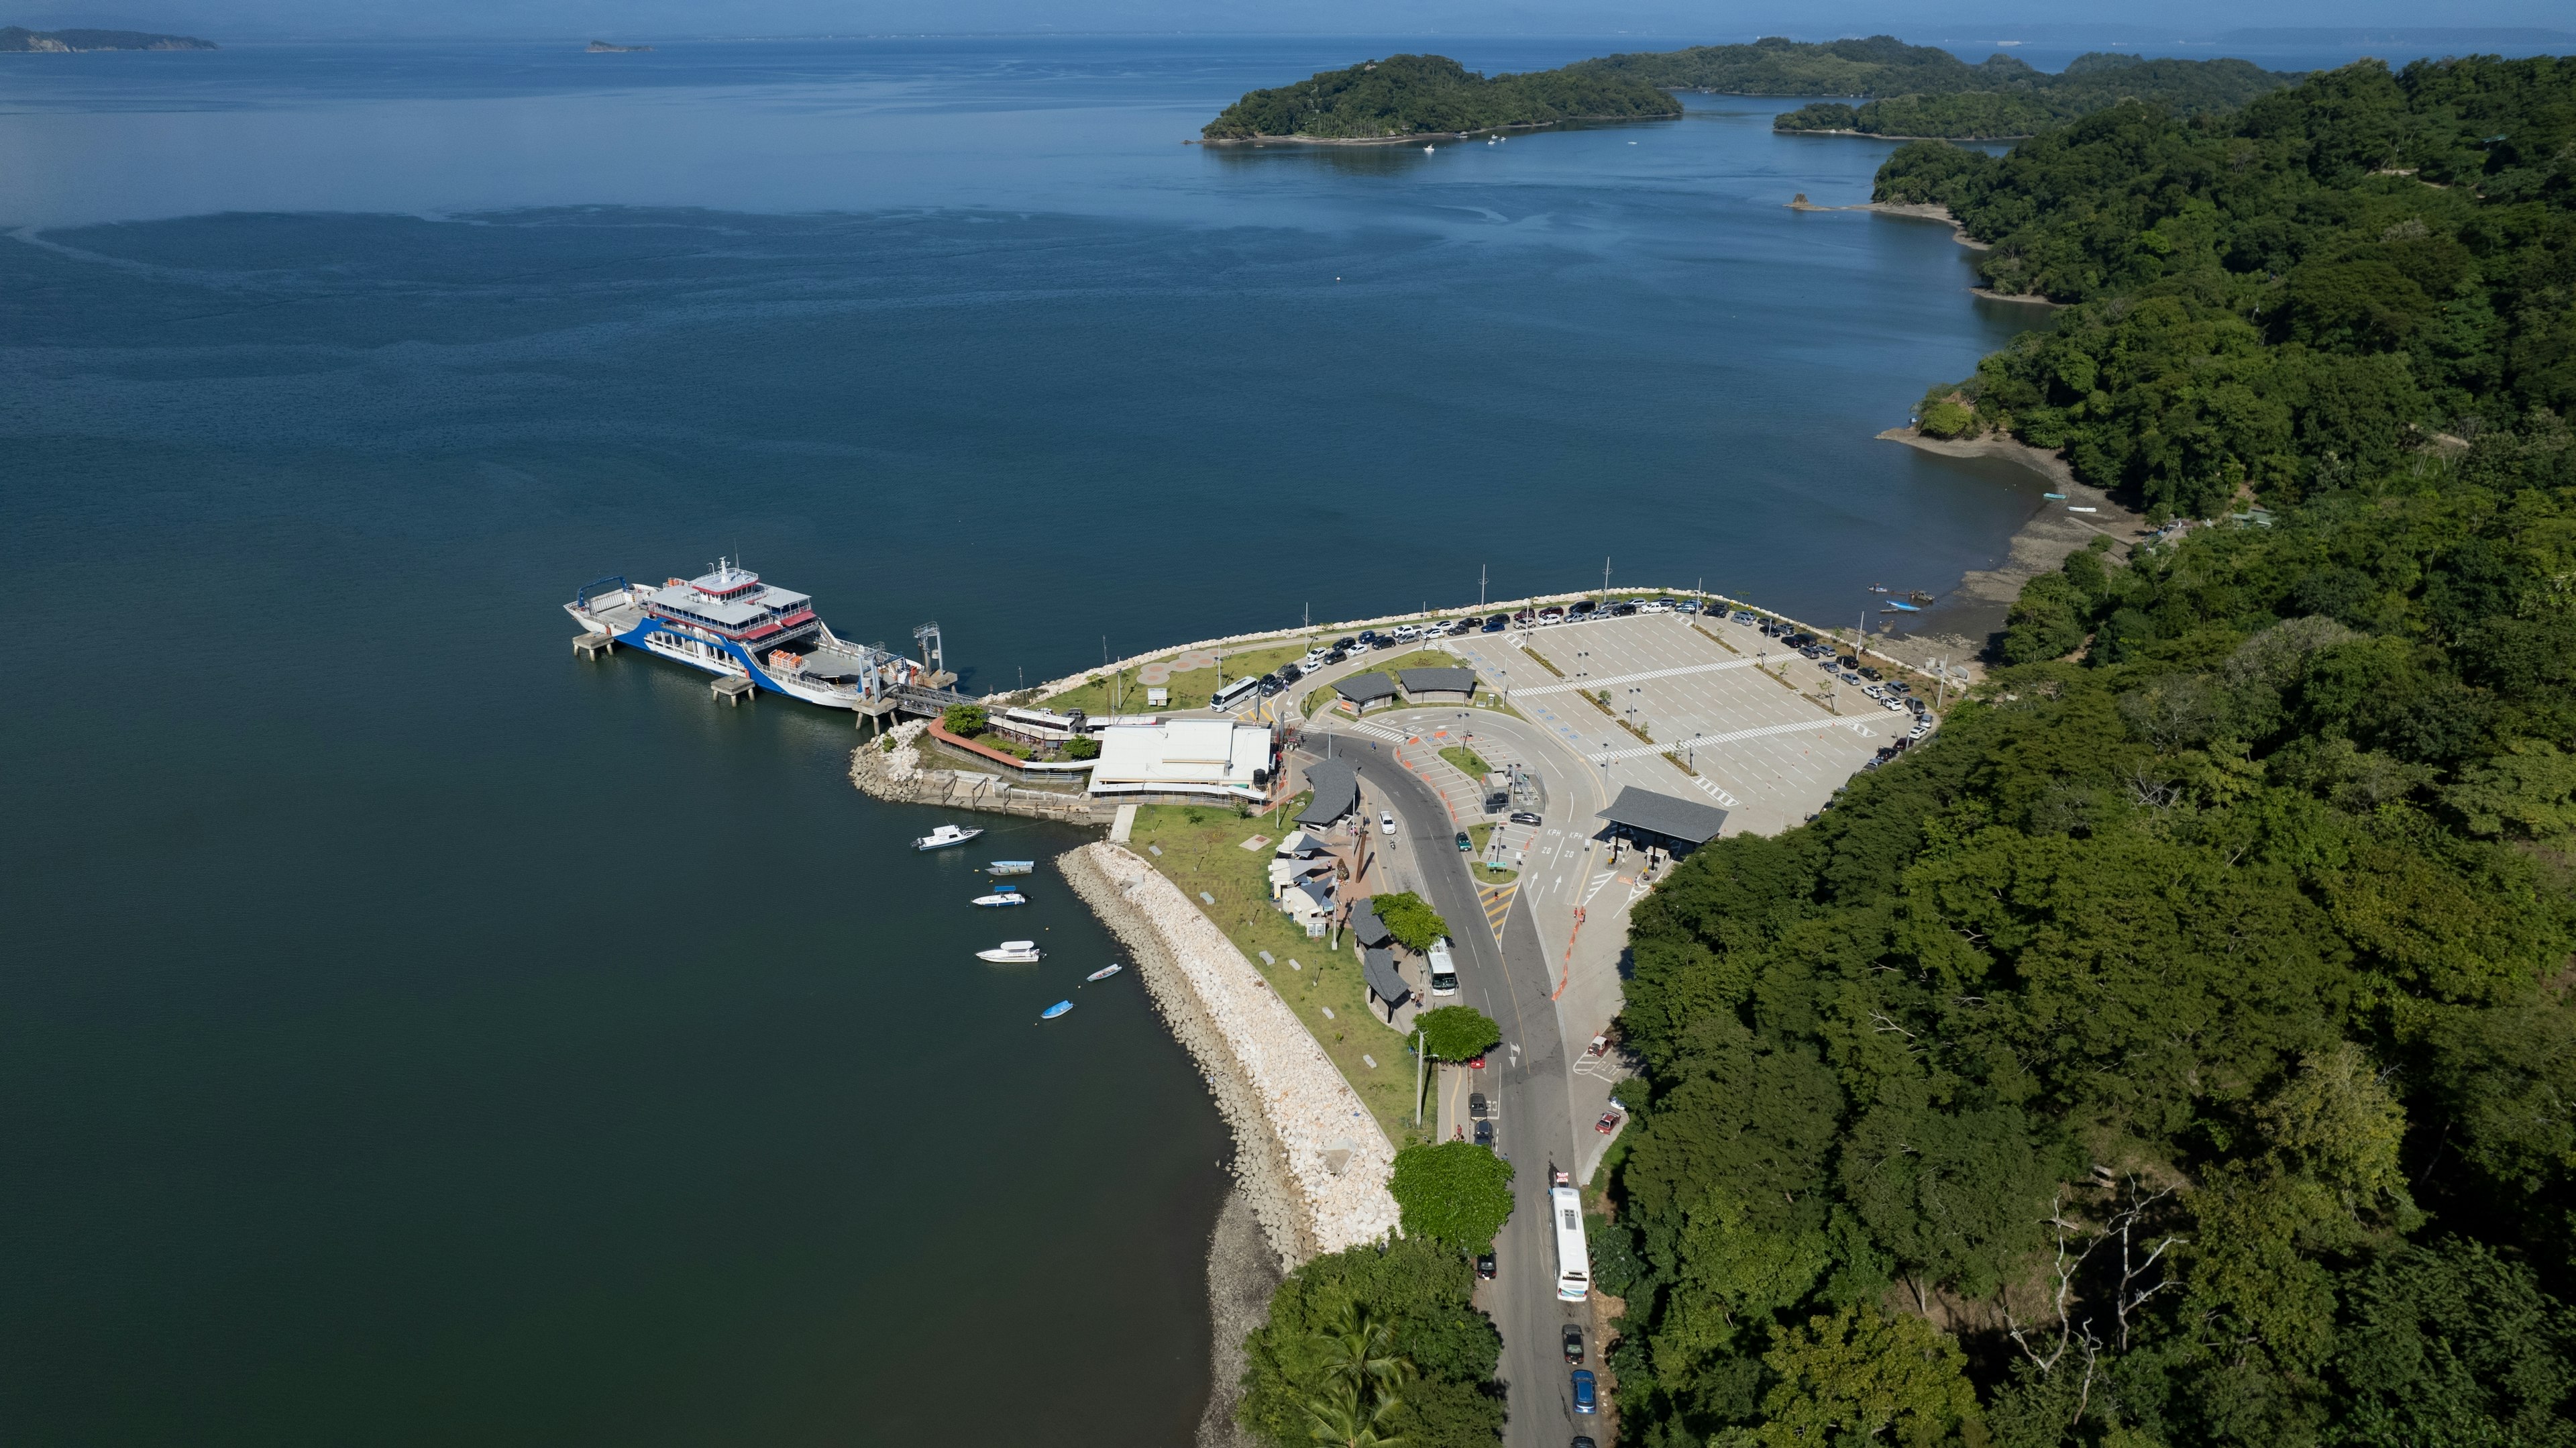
1218,758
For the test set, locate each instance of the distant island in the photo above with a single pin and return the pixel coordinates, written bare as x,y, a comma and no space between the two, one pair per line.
1406,96
602,47
18,39
1903,91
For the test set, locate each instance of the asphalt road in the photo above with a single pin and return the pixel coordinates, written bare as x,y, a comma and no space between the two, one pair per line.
1528,1085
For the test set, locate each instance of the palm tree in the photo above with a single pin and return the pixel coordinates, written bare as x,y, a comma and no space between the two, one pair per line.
1362,1370
1337,1418
1359,1352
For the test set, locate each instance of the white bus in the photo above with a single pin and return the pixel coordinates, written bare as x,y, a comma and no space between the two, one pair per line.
1444,969
1236,692
1573,1259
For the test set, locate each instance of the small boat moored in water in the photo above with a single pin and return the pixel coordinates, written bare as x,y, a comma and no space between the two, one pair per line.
1105,972
1053,1011
1000,898
1012,952
1011,867
944,836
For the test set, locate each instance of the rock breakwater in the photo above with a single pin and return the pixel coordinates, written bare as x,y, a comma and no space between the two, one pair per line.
1313,1162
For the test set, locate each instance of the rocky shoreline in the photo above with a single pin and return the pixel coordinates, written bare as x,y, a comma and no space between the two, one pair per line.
1310,1163
1967,619
898,776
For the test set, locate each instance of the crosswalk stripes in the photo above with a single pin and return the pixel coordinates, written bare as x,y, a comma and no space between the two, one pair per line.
1595,888
1715,793
1380,731
1497,901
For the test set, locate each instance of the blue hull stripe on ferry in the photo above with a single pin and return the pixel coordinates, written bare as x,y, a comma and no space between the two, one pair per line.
759,677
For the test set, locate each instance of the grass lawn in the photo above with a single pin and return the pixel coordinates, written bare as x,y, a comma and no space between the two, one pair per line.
1202,851
1189,691
1477,869
1469,763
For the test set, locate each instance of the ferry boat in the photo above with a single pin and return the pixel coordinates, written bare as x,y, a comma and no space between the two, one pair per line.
727,621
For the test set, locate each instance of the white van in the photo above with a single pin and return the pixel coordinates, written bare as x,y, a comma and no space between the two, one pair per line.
1444,970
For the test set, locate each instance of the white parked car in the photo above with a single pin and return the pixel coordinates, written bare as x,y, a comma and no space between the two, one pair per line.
1652,606
1406,633
1893,706
1386,821
1314,659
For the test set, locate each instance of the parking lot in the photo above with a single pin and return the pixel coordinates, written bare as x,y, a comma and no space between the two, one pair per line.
1762,751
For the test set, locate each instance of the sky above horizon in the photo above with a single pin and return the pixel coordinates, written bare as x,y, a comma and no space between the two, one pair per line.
1682,20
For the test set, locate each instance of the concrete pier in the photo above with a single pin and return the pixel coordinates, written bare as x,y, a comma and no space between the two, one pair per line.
593,646
733,688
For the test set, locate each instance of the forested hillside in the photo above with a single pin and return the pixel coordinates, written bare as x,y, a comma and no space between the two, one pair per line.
1412,95
1922,90
2179,1048
2025,105
2285,300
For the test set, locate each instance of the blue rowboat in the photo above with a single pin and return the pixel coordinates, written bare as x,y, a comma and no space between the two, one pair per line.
1053,1011
2061,497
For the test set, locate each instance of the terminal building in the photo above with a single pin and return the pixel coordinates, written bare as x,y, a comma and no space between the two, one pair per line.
1205,758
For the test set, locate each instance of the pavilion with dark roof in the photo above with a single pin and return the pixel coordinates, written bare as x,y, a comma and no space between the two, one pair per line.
1675,825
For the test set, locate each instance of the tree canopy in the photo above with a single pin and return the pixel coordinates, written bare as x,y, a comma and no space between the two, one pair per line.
2178,1047
1453,1191
1999,101
1392,1319
1410,95
1457,1033
1414,924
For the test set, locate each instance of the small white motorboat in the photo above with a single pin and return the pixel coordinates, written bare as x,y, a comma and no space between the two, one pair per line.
944,836
999,899
1105,972
1013,952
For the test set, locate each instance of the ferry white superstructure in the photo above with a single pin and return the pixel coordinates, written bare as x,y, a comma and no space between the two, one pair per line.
727,621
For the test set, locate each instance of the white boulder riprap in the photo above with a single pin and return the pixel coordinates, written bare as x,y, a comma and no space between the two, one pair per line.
1314,1161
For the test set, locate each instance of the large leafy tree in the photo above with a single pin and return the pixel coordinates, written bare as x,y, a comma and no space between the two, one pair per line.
1453,1191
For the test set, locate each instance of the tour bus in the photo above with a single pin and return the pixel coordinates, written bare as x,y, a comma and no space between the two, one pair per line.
1236,692
1444,971
1573,1261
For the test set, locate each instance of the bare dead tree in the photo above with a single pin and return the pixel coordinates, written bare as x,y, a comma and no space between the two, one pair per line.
2133,1291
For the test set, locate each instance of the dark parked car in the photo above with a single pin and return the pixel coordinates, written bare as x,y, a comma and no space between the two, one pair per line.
1271,684
1584,1400
1869,674
1574,1342
1484,1133
1580,605
1476,1105
1623,610
1485,1265
1524,817
1337,656
1497,623
1465,844
1344,643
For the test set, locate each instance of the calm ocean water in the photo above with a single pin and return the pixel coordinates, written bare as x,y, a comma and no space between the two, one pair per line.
412,1035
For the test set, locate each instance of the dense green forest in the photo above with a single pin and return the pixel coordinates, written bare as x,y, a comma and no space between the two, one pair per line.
1413,95
2012,105
1882,65
2283,300
2179,1048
